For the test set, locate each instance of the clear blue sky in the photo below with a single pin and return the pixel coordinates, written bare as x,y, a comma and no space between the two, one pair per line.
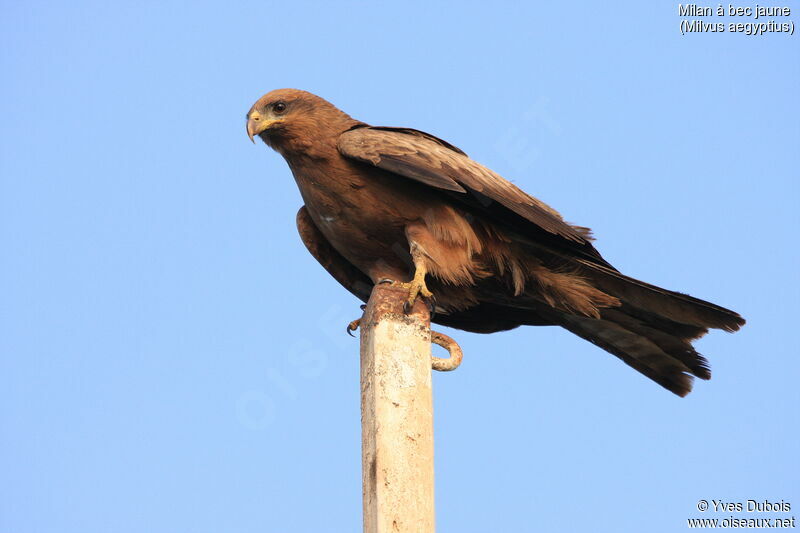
172,359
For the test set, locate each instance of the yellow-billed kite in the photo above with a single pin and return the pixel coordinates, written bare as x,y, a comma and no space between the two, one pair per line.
396,203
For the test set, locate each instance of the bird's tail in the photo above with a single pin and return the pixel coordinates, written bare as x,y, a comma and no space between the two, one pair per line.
653,328
652,300
649,328
665,357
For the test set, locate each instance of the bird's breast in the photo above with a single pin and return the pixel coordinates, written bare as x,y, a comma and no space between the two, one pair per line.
360,214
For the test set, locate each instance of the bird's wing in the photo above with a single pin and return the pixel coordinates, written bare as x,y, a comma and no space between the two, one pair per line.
431,161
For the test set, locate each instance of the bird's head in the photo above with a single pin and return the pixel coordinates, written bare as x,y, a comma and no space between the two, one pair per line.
287,113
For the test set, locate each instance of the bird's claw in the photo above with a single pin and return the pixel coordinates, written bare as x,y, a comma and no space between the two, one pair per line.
431,301
352,326
416,288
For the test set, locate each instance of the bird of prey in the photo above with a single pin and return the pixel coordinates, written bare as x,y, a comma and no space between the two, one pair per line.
394,203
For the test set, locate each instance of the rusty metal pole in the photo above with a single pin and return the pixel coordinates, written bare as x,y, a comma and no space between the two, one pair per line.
396,415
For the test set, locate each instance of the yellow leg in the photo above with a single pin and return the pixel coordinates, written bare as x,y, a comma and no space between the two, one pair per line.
416,287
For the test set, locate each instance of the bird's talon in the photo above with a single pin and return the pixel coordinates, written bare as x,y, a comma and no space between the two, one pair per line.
416,288
352,326
431,301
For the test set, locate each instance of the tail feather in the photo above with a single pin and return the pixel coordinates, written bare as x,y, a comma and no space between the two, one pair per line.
650,329
636,350
675,306
683,331
674,346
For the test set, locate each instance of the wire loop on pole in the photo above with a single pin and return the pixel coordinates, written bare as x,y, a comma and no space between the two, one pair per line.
437,363
456,355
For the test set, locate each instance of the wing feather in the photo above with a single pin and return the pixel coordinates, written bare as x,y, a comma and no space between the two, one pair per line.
424,158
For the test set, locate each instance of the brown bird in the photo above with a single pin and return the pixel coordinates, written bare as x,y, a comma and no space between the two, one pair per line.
386,203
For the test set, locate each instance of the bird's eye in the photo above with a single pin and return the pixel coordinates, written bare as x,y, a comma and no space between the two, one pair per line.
280,107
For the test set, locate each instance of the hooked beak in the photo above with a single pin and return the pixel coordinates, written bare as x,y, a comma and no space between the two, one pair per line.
257,124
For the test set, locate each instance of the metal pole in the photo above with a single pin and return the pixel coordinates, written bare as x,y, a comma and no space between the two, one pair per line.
396,415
